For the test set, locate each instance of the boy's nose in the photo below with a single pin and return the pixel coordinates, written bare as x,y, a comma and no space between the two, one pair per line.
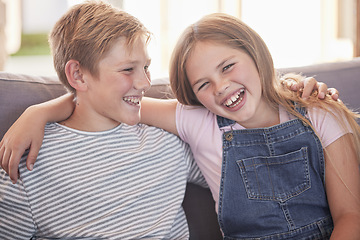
143,82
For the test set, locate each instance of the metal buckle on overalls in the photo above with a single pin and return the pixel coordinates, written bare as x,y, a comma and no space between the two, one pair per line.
229,135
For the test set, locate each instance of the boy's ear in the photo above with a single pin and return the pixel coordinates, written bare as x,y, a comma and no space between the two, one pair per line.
74,75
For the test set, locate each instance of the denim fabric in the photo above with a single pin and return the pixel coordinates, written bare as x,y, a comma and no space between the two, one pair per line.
272,183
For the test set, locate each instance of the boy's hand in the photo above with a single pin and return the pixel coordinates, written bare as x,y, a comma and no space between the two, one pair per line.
308,85
22,135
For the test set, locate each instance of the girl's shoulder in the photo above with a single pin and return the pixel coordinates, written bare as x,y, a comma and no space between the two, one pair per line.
194,120
189,113
328,124
192,109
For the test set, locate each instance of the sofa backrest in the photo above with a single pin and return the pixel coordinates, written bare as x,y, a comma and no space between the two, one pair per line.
344,76
18,91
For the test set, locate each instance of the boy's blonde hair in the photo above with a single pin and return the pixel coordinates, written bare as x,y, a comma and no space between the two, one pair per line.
227,30
87,31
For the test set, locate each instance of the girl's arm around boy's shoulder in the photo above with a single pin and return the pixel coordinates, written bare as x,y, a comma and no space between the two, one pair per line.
159,113
343,187
28,132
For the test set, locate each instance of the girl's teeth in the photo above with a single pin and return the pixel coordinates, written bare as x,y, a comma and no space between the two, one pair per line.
233,99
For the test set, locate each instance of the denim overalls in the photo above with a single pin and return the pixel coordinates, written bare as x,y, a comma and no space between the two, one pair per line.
272,183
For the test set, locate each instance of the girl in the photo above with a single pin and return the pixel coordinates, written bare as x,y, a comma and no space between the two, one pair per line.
278,167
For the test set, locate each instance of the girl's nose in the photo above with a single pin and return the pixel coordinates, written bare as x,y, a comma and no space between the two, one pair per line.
221,86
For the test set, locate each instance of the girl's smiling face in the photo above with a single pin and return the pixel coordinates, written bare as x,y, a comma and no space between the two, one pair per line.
226,81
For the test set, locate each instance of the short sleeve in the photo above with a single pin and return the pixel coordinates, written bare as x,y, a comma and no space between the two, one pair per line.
327,125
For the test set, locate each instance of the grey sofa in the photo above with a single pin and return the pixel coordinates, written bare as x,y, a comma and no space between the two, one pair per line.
19,91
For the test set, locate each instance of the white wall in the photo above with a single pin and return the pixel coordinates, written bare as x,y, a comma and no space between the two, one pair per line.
39,16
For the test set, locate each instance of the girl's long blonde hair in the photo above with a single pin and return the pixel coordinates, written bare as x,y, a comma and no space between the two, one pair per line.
227,30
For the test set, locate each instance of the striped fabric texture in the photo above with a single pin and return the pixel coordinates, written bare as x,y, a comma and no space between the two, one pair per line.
125,183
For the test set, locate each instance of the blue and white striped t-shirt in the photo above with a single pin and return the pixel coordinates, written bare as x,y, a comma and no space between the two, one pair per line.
124,183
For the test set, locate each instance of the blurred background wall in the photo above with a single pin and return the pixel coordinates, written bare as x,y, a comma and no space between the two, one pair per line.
297,32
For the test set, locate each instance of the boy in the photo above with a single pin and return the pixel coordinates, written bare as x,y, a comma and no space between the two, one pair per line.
97,174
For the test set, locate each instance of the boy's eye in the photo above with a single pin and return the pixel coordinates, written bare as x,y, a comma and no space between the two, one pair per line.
146,68
227,67
128,69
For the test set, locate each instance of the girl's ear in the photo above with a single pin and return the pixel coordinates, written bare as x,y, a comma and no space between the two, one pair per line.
75,76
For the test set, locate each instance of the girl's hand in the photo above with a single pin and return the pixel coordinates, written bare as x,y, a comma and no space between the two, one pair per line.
28,133
25,133
308,85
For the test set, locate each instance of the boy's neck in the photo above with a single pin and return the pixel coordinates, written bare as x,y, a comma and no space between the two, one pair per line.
85,121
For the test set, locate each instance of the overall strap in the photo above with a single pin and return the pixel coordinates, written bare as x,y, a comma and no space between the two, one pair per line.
223,122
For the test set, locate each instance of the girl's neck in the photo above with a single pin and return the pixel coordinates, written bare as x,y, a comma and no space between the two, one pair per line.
266,117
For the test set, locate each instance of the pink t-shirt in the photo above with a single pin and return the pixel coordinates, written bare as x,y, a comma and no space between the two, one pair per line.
198,127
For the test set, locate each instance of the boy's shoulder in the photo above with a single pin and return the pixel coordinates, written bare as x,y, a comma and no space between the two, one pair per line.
56,131
138,134
146,129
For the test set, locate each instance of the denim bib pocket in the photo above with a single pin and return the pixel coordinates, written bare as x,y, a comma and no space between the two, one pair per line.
276,178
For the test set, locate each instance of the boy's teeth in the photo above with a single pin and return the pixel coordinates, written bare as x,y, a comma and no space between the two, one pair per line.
134,100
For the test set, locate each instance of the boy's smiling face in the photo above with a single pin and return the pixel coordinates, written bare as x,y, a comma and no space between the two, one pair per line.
114,96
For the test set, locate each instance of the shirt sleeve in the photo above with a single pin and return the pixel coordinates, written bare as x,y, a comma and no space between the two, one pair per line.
182,118
16,220
327,125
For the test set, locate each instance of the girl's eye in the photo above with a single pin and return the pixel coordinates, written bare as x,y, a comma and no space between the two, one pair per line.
227,67
128,69
202,86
